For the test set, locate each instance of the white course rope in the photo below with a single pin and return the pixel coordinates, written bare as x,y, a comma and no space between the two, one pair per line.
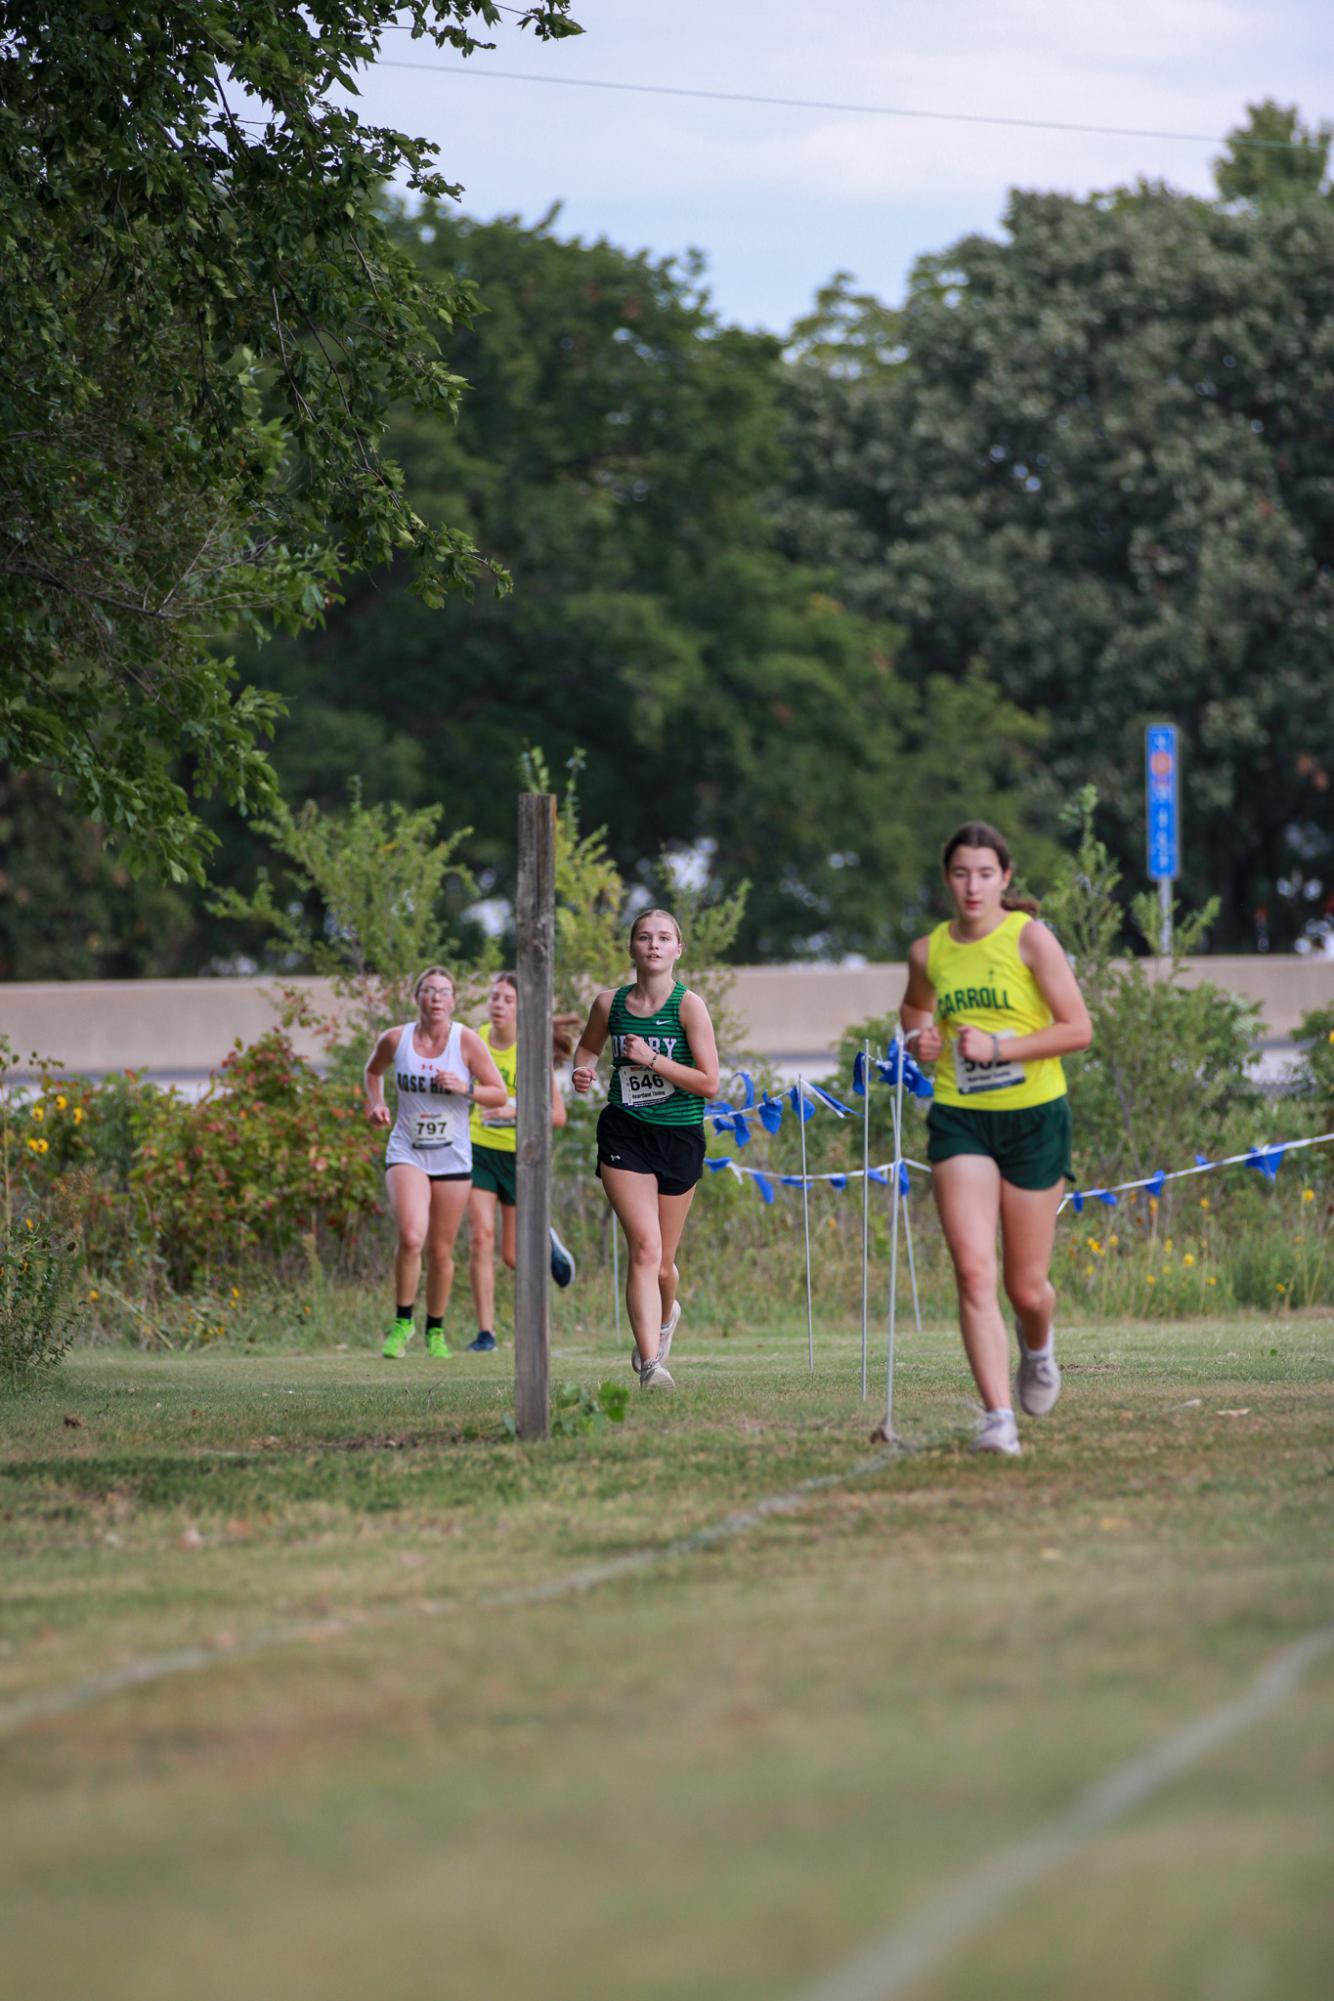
906,1953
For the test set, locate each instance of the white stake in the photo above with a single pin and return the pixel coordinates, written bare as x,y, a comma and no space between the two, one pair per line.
806,1220
894,1205
865,1201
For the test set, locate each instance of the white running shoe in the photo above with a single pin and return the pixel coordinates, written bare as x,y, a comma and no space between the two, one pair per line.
997,1432
1037,1380
665,1337
656,1376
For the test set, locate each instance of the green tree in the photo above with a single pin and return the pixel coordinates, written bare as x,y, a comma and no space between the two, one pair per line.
202,325
1101,462
618,451
1273,158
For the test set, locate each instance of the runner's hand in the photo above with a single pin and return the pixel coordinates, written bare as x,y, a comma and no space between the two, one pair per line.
503,1115
929,1044
379,1115
637,1050
977,1045
451,1081
584,1077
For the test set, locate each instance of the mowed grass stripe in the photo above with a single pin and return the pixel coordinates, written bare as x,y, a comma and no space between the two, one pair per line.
800,1737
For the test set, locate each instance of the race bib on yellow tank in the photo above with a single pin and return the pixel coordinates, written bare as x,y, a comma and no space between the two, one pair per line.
973,1078
642,1086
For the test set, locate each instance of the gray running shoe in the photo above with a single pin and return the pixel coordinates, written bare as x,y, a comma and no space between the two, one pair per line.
665,1338
655,1376
1037,1381
997,1432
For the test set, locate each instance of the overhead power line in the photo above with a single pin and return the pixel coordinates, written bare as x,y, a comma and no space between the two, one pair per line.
837,104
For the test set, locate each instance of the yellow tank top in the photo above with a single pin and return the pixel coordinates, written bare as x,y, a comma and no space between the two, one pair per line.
500,1138
986,985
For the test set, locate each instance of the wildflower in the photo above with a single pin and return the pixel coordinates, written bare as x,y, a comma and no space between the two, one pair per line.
1150,1280
1095,1247
28,1221
236,1292
78,1115
93,1292
1153,1205
1211,1281
1204,1201
1189,1258
37,1112
39,1146
1167,1247
61,1101
1112,1242
1280,1287
1088,1271
1308,1195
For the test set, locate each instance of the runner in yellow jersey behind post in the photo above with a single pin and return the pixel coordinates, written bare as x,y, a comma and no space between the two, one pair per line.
494,1151
992,1001
651,1131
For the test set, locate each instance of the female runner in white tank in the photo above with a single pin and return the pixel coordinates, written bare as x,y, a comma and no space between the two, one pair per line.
441,1069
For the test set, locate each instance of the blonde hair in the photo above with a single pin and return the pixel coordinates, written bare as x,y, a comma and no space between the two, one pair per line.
644,915
442,971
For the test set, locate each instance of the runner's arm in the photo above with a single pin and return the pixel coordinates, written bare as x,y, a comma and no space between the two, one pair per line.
919,1005
701,1079
488,1086
381,1059
558,1112
592,1043
1070,1027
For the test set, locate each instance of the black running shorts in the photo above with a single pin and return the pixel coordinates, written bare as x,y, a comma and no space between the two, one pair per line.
674,1155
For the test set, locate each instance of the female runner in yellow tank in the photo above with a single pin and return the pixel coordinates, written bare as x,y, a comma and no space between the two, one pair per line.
991,1000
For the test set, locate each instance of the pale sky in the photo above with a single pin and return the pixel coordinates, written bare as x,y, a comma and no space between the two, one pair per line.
778,199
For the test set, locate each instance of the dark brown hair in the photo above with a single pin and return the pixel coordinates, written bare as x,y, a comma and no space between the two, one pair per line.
979,834
564,1027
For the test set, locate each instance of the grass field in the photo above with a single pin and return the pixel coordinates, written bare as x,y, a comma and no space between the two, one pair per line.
371,1756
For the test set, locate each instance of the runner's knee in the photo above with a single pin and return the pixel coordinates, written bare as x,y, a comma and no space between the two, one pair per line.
975,1271
1027,1292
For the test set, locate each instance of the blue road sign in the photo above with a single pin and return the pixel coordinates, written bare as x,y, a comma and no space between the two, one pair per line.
1160,787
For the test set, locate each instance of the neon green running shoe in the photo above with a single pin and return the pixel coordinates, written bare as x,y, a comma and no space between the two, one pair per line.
396,1341
437,1345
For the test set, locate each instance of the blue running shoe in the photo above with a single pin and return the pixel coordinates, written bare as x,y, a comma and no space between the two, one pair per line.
482,1345
562,1264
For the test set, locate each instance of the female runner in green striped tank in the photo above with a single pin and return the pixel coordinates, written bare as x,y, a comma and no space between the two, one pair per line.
651,1132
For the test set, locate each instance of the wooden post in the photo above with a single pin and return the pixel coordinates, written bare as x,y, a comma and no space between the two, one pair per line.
535,926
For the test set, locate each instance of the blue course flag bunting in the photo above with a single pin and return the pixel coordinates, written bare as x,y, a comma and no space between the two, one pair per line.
859,1074
741,1127
839,1181
903,1179
1202,1160
765,1186
771,1114
1267,1159
717,1166
1154,1184
748,1087
792,1180
878,1174
1078,1201
801,1105
1106,1196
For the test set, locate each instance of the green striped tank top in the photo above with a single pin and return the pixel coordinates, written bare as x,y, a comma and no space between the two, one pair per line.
634,1086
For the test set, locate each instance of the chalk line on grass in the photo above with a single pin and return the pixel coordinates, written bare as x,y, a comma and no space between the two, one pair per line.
887,1967
192,1660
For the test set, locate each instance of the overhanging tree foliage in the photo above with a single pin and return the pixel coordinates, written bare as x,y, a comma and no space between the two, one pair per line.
202,323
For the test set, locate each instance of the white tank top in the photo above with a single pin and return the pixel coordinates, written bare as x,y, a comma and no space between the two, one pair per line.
431,1127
